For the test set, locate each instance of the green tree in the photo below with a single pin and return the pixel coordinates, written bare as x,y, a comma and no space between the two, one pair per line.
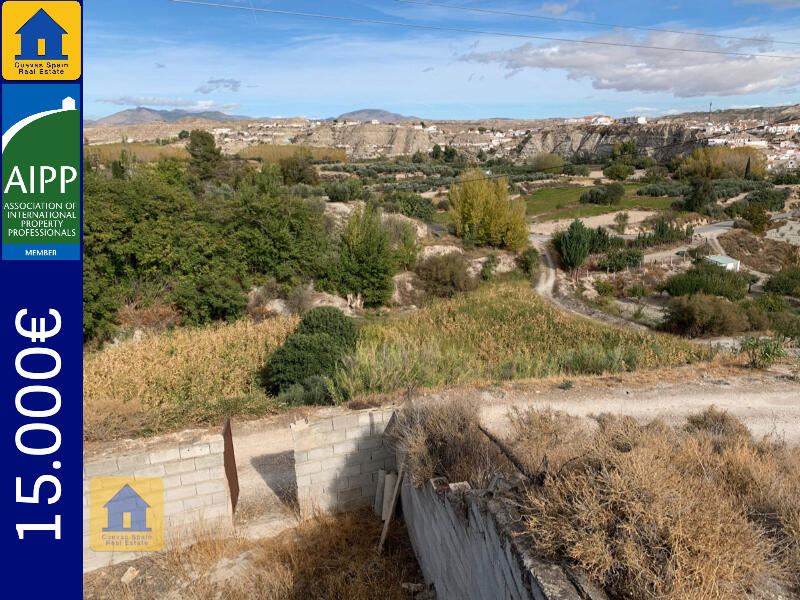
450,154
757,217
205,156
548,162
702,194
619,171
436,152
573,244
183,135
298,169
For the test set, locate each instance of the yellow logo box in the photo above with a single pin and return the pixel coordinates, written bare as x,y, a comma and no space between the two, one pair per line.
41,40
126,514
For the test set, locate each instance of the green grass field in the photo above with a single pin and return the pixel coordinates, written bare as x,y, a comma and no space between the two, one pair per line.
564,203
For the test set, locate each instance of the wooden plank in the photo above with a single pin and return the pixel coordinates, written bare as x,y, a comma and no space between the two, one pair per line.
395,495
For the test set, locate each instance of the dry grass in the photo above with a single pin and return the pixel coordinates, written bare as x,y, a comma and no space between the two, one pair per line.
327,558
649,512
762,254
443,440
179,377
275,152
142,152
501,332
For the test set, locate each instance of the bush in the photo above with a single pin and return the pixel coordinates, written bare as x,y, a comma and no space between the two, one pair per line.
547,162
656,190
344,191
489,265
607,194
604,288
701,314
619,171
314,390
708,279
664,232
528,261
409,204
787,178
762,353
302,356
785,282
298,169
444,276
619,260
331,321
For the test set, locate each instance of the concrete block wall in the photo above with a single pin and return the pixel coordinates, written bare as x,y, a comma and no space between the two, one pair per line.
470,546
337,458
196,496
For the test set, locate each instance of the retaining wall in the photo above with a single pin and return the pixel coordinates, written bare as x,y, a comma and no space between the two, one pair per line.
337,457
192,467
471,546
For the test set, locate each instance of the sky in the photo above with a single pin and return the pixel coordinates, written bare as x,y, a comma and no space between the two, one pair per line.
166,55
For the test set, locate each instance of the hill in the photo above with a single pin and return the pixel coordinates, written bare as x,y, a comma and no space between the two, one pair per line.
141,115
374,114
772,114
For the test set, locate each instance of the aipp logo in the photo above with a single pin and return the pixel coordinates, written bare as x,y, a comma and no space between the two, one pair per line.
41,40
126,514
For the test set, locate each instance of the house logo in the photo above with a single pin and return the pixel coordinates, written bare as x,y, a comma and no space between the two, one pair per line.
126,514
41,40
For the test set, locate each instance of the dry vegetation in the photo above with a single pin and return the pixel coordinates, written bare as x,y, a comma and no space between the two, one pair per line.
142,152
182,376
327,558
762,254
275,152
501,332
704,512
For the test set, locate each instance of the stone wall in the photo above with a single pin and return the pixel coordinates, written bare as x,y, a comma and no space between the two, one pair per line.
192,467
337,457
471,546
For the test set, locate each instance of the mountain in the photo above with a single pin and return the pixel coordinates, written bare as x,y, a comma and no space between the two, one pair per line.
772,114
374,114
141,115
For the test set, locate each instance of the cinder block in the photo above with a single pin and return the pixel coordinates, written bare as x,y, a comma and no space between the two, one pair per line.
345,421
350,470
303,491
151,471
367,418
308,468
197,502
179,466
345,495
102,468
300,457
195,450
165,455
309,441
364,479
195,477
210,487
215,512
212,460
324,477
323,426
303,480
173,508
357,433
217,446
219,498
345,447
337,435
128,464
180,493
171,481
334,463
369,443
320,453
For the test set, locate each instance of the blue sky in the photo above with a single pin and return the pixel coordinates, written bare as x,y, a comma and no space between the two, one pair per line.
162,54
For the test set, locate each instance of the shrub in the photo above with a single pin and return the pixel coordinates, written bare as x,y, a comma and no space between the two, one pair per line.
528,260
621,220
785,282
619,171
701,314
607,194
302,356
298,169
314,390
637,291
708,279
787,178
604,288
663,189
344,191
547,162
664,232
444,276
409,204
762,353
331,321
489,265
618,260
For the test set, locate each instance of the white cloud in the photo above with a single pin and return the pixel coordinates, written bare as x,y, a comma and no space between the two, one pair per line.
638,110
556,9
213,85
626,69
159,101
775,3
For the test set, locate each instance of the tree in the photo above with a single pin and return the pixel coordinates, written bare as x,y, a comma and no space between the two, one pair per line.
573,244
418,157
621,220
450,154
702,194
757,217
298,169
618,171
484,215
547,162
183,135
436,152
344,191
205,156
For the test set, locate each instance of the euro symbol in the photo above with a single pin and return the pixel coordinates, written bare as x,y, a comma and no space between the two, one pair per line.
41,333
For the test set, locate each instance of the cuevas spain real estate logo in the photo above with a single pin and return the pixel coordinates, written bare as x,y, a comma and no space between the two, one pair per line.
126,514
41,40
